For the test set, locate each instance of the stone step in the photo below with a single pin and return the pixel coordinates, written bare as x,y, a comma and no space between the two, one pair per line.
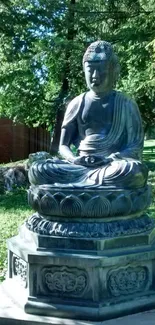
12,313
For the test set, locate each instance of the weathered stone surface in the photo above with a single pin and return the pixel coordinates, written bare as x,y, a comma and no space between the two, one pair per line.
90,244
83,284
12,312
19,269
64,281
93,229
36,156
127,280
13,177
88,203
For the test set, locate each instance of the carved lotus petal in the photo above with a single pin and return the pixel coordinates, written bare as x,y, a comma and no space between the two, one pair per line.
149,195
30,196
59,196
133,195
33,200
121,206
49,205
85,197
141,202
143,199
111,196
97,207
71,206
41,193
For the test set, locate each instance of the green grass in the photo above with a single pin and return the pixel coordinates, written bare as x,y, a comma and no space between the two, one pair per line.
14,210
150,162
149,150
148,143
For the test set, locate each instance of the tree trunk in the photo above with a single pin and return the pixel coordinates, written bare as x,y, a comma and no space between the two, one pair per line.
54,145
65,84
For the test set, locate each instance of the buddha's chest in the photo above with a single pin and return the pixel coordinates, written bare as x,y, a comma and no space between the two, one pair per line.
97,113
96,116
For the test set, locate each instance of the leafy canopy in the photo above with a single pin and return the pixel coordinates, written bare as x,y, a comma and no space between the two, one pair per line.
41,48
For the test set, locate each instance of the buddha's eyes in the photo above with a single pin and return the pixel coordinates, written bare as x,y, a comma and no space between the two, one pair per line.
90,69
100,70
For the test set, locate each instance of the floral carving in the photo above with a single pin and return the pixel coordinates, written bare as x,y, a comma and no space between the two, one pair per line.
127,280
61,280
20,269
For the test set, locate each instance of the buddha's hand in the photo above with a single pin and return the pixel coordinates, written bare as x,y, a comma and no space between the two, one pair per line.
92,161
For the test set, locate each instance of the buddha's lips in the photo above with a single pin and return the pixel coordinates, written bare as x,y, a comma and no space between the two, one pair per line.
95,82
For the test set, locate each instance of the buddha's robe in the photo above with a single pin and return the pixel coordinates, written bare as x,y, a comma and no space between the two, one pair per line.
110,128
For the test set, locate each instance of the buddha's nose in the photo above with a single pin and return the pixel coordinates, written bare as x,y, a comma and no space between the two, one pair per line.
95,74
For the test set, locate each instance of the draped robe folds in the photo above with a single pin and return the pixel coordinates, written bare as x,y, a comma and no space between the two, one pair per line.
123,142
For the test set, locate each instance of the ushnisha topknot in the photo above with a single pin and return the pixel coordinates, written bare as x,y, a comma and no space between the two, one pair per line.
98,51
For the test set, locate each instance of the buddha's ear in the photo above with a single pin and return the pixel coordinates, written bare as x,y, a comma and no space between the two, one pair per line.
114,68
83,64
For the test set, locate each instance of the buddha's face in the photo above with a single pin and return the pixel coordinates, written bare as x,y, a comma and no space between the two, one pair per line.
98,77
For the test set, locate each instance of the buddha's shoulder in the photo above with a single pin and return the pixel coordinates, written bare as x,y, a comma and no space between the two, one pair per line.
76,101
126,99
73,109
74,104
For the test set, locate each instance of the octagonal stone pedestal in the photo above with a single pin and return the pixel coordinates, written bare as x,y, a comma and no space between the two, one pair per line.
85,255
84,278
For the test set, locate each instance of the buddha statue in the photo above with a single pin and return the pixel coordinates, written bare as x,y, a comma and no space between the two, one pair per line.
105,127
88,250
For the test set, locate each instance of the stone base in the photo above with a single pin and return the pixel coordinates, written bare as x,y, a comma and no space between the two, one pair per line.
12,300
12,312
85,284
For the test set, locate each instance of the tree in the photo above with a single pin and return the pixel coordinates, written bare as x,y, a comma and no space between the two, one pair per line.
41,53
136,52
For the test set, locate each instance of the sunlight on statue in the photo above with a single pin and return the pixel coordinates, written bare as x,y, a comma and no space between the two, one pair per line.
106,128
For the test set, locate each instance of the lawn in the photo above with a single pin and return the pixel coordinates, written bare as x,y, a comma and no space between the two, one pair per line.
149,147
148,143
14,209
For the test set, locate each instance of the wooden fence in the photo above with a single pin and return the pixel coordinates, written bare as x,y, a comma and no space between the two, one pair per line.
17,141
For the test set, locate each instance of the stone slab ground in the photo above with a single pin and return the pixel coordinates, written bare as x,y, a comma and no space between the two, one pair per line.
11,313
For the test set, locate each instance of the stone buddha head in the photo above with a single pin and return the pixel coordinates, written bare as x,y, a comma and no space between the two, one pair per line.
101,67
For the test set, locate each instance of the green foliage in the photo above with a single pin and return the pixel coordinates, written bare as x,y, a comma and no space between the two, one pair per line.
137,58
41,48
